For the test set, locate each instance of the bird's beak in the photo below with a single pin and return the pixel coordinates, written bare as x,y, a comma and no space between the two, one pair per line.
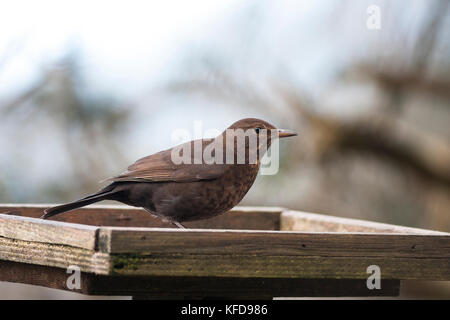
285,133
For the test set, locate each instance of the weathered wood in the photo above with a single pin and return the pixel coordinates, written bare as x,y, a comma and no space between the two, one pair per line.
232,253
305,267
244,254
150,261
265,218
22,228
44,276
54,255
193,287
291,220
164,252
252,218
272,243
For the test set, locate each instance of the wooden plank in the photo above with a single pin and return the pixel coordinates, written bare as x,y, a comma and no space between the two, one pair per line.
272,243
232,253
249,218
54,255
252,218
306,267
247,288
193,287
244,254
31,229
227,253
44,276
291,220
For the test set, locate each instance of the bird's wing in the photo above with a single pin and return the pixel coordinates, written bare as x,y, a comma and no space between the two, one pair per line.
159,167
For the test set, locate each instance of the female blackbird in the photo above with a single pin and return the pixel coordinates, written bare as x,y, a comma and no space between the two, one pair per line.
195,180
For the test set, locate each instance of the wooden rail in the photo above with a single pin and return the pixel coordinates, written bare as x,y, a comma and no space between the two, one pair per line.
249,252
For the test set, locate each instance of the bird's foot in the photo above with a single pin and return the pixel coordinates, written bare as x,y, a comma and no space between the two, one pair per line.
179,225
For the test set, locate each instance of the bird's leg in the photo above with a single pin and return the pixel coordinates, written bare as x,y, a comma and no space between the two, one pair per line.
152,213
179,225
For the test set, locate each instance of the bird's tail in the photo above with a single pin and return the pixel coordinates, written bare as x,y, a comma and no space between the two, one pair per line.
99,196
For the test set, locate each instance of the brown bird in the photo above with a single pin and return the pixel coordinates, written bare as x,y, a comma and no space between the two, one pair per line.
195,180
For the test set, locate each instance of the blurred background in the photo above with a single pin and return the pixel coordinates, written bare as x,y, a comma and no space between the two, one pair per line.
88,88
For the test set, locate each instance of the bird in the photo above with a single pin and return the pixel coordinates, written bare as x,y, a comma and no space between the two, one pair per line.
178,185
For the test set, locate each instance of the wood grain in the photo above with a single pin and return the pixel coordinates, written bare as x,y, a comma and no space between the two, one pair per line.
164,252
31,229
44,276
325,249
54,255
275,243
253,218
193,287
291,220
306,267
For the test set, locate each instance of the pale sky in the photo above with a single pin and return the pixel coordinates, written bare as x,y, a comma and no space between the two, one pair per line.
128,48
118,39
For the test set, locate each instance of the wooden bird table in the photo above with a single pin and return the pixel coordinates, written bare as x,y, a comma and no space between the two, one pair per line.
250,252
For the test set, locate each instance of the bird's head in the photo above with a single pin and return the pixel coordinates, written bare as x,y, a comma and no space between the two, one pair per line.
260,129
259,126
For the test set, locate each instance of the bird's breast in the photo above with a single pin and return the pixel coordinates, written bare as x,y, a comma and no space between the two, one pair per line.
226,192
207,198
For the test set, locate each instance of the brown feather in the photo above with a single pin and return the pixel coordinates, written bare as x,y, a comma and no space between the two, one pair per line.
186,191
159,167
